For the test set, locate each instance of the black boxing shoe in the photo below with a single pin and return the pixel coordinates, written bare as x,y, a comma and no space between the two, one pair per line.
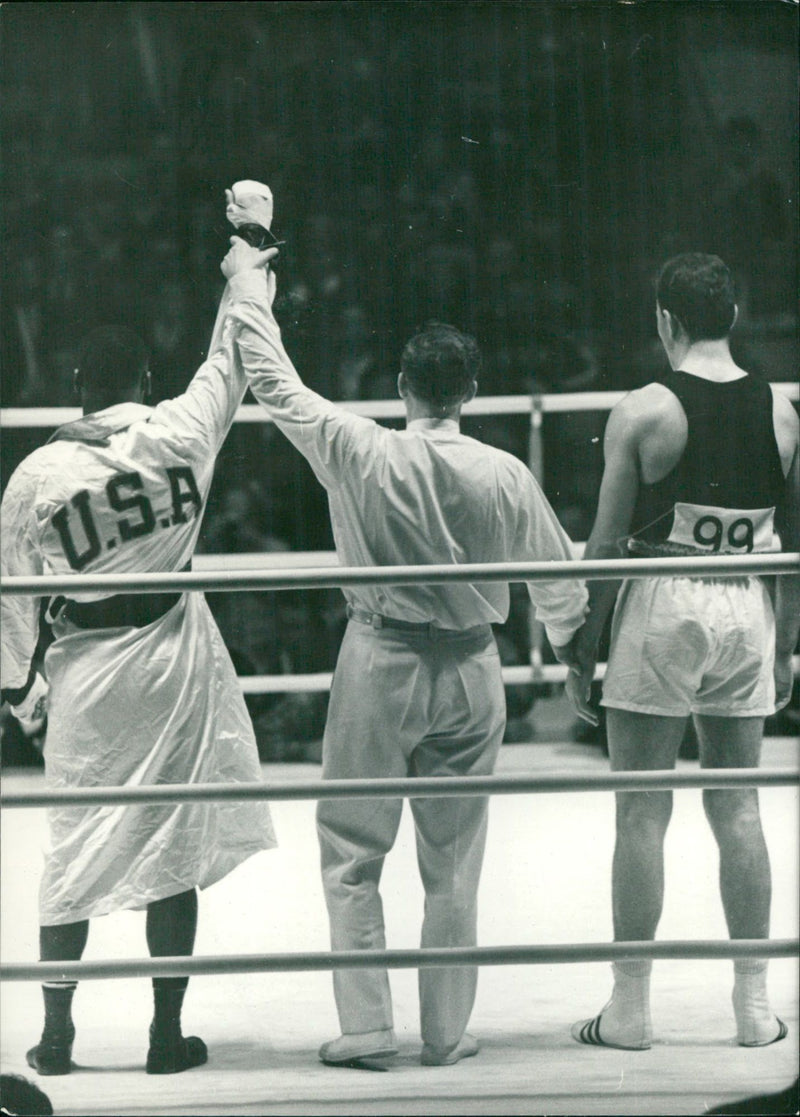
50,1058
175,1055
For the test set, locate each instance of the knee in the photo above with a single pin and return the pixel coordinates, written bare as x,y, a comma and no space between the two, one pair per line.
733,814
644,814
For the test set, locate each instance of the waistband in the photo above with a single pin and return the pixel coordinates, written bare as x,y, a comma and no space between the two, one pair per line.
641,548
378,622
123,610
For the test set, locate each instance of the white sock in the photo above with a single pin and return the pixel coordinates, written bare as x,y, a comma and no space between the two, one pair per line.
626,1017
756,1023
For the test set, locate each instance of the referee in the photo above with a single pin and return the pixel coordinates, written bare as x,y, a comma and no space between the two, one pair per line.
417,689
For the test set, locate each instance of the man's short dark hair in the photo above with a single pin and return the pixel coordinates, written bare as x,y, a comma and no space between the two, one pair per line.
112,358
697,289
440,363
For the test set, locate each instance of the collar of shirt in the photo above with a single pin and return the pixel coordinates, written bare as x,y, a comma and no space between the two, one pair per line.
124,413
446,426
99,425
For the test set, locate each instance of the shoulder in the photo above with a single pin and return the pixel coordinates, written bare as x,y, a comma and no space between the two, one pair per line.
643,409
27,479
786,425
502,461
784,413
38,464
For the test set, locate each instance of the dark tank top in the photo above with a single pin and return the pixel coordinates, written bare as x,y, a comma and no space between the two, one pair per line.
721,495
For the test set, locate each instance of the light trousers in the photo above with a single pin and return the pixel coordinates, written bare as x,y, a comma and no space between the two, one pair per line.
403,705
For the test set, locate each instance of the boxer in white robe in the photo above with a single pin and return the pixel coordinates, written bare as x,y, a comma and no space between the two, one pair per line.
141,687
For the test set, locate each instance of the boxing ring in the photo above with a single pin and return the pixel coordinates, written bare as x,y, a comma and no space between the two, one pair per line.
499,1081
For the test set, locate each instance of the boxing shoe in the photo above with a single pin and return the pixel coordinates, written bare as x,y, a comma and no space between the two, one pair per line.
171,1056
756,1023
48,1058
438,1057
361,1050
625,1021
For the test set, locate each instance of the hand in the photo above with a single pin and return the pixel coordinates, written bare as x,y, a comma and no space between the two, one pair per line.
784,679
581,663
241,257
31,712
579,689
249,203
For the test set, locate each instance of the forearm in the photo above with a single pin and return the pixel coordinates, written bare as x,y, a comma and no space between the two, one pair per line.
602,598
561,608
202,415
320,430
270,373
787,613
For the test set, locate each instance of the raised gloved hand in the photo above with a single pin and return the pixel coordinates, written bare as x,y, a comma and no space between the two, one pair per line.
32,710
249,203
249,208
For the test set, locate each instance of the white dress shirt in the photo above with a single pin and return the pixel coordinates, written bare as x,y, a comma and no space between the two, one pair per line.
425,495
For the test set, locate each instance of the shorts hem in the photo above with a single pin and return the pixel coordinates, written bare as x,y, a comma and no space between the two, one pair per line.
637,708
711,711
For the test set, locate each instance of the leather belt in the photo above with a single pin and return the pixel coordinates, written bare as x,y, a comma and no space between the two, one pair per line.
377,621
123,610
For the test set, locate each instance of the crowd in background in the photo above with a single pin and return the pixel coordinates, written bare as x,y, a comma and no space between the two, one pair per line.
520,176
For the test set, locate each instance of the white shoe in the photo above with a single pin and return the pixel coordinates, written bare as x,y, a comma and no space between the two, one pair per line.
436,1057
359,1049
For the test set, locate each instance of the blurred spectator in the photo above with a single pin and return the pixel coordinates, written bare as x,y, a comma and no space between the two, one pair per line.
571,440
757,215
414,178
174,351
270,633
248,620
19,1095
24,383
354,355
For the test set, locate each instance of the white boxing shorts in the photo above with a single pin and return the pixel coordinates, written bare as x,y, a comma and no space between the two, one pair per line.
692,645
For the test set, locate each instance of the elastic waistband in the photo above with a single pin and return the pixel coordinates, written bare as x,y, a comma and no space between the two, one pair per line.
641,548
378,622
743,580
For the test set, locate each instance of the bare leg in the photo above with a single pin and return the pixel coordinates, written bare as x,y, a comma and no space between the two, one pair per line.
640,742
637,742
744,870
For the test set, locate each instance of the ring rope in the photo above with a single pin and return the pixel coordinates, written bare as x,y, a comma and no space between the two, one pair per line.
521,675
432,787
316,578
383,409
434,574
305,961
